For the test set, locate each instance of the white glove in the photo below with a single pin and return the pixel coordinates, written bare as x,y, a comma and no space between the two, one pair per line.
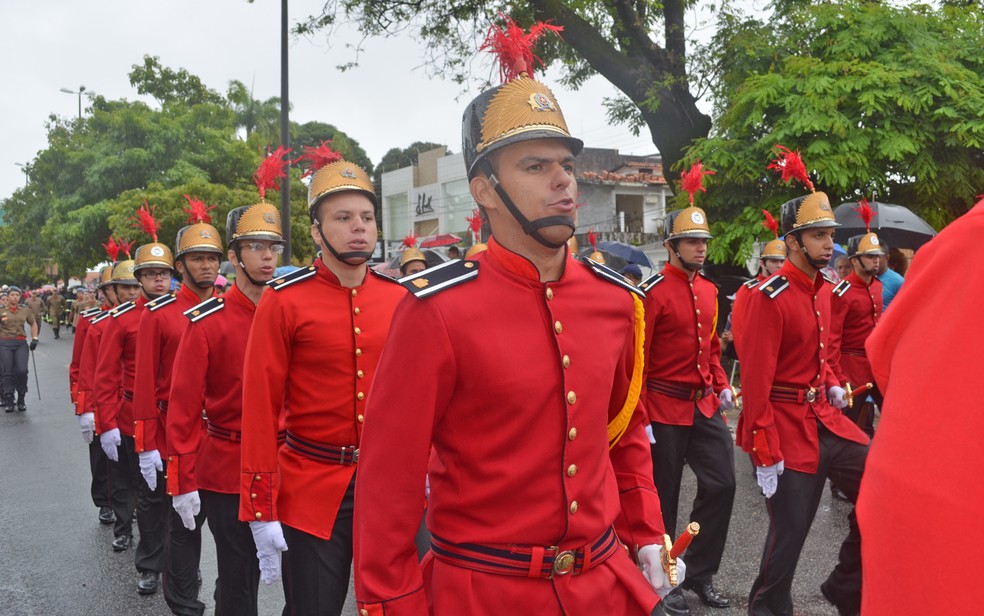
727,399
110,440
649,433
87,422
150,465
768,478
837,396
188,505
652,569
270,542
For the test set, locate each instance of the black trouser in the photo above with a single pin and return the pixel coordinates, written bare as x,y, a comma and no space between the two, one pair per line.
13,367
708,449
239,568
316,571
182,557
791,512
123,491
100,488
149,554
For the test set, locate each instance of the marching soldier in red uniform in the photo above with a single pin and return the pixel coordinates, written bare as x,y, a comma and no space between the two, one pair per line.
790,423
114,392
923,472
855,308
687,392
528,367
771,258
310,360
98,462
161,326
211,357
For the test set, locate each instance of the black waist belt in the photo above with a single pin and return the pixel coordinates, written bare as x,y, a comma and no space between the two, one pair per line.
678,390
162,406
799,395
224,434
526,560
345,455
127,394
855,352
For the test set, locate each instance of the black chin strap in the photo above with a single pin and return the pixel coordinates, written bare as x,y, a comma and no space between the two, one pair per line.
687,265
344,257
187,274
531,228
813,262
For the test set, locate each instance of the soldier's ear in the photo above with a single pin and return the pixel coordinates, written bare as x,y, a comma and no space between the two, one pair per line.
482,191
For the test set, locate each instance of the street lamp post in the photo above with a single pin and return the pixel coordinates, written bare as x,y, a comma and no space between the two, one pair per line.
79,92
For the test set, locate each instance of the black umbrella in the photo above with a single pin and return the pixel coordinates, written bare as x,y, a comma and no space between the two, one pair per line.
626,251
896,225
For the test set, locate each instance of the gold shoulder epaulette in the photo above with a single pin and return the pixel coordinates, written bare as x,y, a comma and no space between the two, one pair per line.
90,312
608,274
122,309
651,282
202,310
296,276
842,288
161,301
440,277
774,286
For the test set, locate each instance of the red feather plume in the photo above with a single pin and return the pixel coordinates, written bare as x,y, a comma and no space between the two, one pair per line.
593,240
197,211
272,168
475,224
866,213
513,48
409,241
693,180
317,157
791,165
112,249
145,220
771,223
125,246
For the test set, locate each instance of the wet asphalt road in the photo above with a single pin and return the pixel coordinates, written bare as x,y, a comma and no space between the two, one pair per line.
55,558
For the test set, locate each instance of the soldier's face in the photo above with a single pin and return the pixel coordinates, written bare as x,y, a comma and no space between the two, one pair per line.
539,177
13,298
154,281
260,264
772,266
127,292
413,267
203,267
348,221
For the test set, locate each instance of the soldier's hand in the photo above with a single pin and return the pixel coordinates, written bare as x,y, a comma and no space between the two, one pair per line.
34,344
150,465
110,440
768,478
87,423
187,505
837,396
651,563
270,542
727,398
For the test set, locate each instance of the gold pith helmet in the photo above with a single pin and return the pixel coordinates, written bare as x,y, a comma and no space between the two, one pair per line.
774,249
688,222
123,273
260,221
807,212
154,254
199,237
866,244
105,276
475,249
337,177
411,254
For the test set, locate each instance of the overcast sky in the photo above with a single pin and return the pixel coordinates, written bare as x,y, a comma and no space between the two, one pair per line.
389,101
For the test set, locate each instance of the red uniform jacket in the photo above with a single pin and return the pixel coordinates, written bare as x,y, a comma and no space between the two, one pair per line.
854,310
113,387
78,349
211,357
788,322
86,399
312,351
922,482
161,326
512,382
682,347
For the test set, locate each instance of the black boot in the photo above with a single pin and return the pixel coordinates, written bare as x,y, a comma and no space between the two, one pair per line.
21,405
8,404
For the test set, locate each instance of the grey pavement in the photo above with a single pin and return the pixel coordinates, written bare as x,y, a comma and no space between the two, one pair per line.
55,558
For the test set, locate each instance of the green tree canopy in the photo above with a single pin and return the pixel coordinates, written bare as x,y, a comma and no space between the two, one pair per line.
877,98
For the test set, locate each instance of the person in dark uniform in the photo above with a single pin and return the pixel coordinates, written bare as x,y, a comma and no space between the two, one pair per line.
687,394
791,423
14,348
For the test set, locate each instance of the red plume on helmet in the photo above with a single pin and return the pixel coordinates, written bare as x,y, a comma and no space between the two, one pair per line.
317,157
693,180
593,240
409,241
513,48
125,246
790,164
272,169
771,223
866,213
475,224
112,249
197,211
145,220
